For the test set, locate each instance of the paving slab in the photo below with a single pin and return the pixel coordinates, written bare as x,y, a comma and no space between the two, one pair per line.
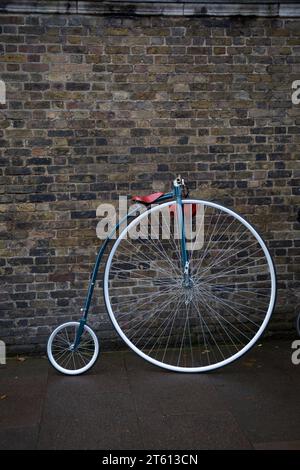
262,391
275,445
217,430
126,403
19,438
96,425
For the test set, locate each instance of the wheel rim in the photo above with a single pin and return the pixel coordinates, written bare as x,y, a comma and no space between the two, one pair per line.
208,325
62,354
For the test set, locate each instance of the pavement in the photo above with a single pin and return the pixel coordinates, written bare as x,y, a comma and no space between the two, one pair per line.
127,403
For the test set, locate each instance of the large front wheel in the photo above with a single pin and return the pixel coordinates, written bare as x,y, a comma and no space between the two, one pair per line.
206,317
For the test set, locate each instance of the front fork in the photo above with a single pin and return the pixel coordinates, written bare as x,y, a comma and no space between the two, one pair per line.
180,214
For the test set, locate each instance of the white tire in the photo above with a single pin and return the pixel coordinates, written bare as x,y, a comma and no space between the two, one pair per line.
63,358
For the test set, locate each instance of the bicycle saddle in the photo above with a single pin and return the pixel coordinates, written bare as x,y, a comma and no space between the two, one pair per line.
149,199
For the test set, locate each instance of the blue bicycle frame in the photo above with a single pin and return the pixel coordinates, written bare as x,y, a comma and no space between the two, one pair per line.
176,193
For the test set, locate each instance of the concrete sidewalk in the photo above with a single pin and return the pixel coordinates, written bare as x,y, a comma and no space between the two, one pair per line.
126,403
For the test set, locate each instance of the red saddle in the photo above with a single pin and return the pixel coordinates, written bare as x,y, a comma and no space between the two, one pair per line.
147,199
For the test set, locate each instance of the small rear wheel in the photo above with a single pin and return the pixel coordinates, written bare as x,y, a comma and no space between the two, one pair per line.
62,354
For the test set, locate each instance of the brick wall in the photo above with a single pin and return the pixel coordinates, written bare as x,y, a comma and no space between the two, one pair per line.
101,106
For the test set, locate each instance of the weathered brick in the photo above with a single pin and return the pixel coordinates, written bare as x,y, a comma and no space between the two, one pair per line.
74,86
13,58
62,277
100,106
31,67
42,197
83,214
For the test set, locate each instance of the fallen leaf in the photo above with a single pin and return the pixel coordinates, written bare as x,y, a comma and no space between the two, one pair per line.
2,397
21,359
249,362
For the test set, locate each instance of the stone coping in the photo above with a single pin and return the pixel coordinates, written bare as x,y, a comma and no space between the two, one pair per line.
269,8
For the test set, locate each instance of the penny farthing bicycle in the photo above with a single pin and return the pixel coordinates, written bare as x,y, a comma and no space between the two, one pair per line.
189,285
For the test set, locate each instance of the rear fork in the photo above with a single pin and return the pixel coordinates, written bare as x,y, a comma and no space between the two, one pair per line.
85,309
